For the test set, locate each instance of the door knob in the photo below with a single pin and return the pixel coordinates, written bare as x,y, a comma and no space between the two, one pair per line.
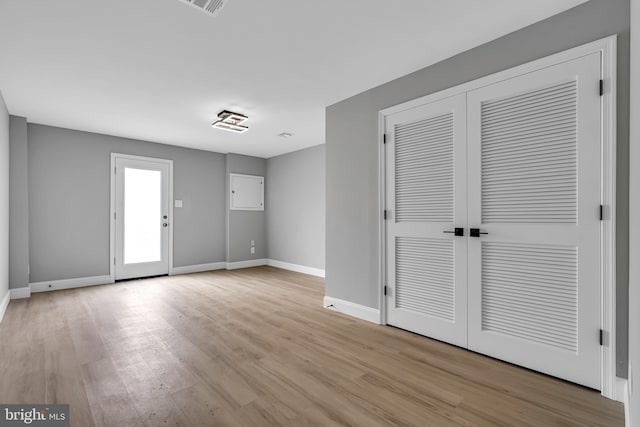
164,224
458,231
475,232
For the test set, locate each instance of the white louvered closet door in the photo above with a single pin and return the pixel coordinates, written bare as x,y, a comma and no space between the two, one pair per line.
426,199
534,188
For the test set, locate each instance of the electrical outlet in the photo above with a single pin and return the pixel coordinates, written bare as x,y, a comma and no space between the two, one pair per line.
253,250
253,243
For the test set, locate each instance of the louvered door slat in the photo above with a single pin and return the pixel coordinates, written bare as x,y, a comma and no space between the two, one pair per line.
424,170
513,306
550,92
546,108
425,276
514,122
545,143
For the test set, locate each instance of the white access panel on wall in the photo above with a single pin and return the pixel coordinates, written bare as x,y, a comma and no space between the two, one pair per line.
534,189
426,203
246,192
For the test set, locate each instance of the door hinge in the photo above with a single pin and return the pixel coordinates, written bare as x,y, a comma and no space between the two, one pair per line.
114,215
601,87
601,337
384,138
601,212
114,260
385,214
386,292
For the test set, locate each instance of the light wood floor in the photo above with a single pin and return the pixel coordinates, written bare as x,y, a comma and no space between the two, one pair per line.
255,347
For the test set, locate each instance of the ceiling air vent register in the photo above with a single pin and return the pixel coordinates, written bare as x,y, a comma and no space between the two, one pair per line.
210,7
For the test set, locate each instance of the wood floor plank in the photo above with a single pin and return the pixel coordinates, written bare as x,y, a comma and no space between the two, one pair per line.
63,381
200,404
108,397
148,392
255,347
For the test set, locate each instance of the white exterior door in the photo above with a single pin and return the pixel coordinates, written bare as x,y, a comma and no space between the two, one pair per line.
142,217
535,190
426,202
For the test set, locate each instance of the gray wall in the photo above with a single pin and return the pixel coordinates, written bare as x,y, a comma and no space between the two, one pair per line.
634,249
19,204
69,191
244,226
352,144
4,199
296,207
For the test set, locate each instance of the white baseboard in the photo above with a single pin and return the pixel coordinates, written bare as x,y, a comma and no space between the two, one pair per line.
246,264
352,309
198,268
53,285
81,282
20,293
296,267
4,304
621,390
627,406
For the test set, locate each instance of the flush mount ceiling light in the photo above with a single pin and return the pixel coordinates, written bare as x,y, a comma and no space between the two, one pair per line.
228,120
285,135
210,7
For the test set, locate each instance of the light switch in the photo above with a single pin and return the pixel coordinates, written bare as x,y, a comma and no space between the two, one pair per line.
253,243
253,250
178,204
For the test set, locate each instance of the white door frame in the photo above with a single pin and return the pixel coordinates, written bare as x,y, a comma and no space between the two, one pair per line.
607,47
112,209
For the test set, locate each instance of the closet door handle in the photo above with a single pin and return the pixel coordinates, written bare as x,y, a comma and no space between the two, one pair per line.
475,232
458,231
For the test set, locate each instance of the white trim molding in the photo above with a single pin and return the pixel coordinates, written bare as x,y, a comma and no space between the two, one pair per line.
621,389
20,293
4,304
626,400
608,261
81,282
246,264
52,285
382,223
198,268
296,267
607,48
352,309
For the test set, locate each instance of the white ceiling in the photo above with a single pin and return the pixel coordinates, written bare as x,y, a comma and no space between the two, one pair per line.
160,70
